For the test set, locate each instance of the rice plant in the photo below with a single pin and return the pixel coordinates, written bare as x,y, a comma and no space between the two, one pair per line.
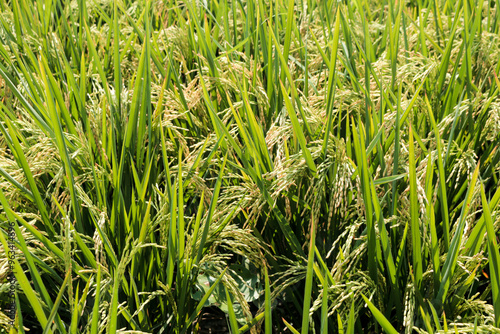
267,166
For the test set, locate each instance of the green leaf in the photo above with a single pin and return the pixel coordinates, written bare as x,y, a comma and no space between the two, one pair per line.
386,325
493,257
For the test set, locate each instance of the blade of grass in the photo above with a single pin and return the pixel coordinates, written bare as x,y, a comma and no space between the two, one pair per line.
451,258
414,216
309,278
331,82
232,316
351,320
267,306
290,327
203,301
298,131
493,256
386,325
53,312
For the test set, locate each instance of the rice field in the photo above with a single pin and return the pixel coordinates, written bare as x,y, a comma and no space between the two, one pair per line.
232,166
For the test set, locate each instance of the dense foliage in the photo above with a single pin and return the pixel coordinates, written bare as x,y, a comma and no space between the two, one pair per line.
295,165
